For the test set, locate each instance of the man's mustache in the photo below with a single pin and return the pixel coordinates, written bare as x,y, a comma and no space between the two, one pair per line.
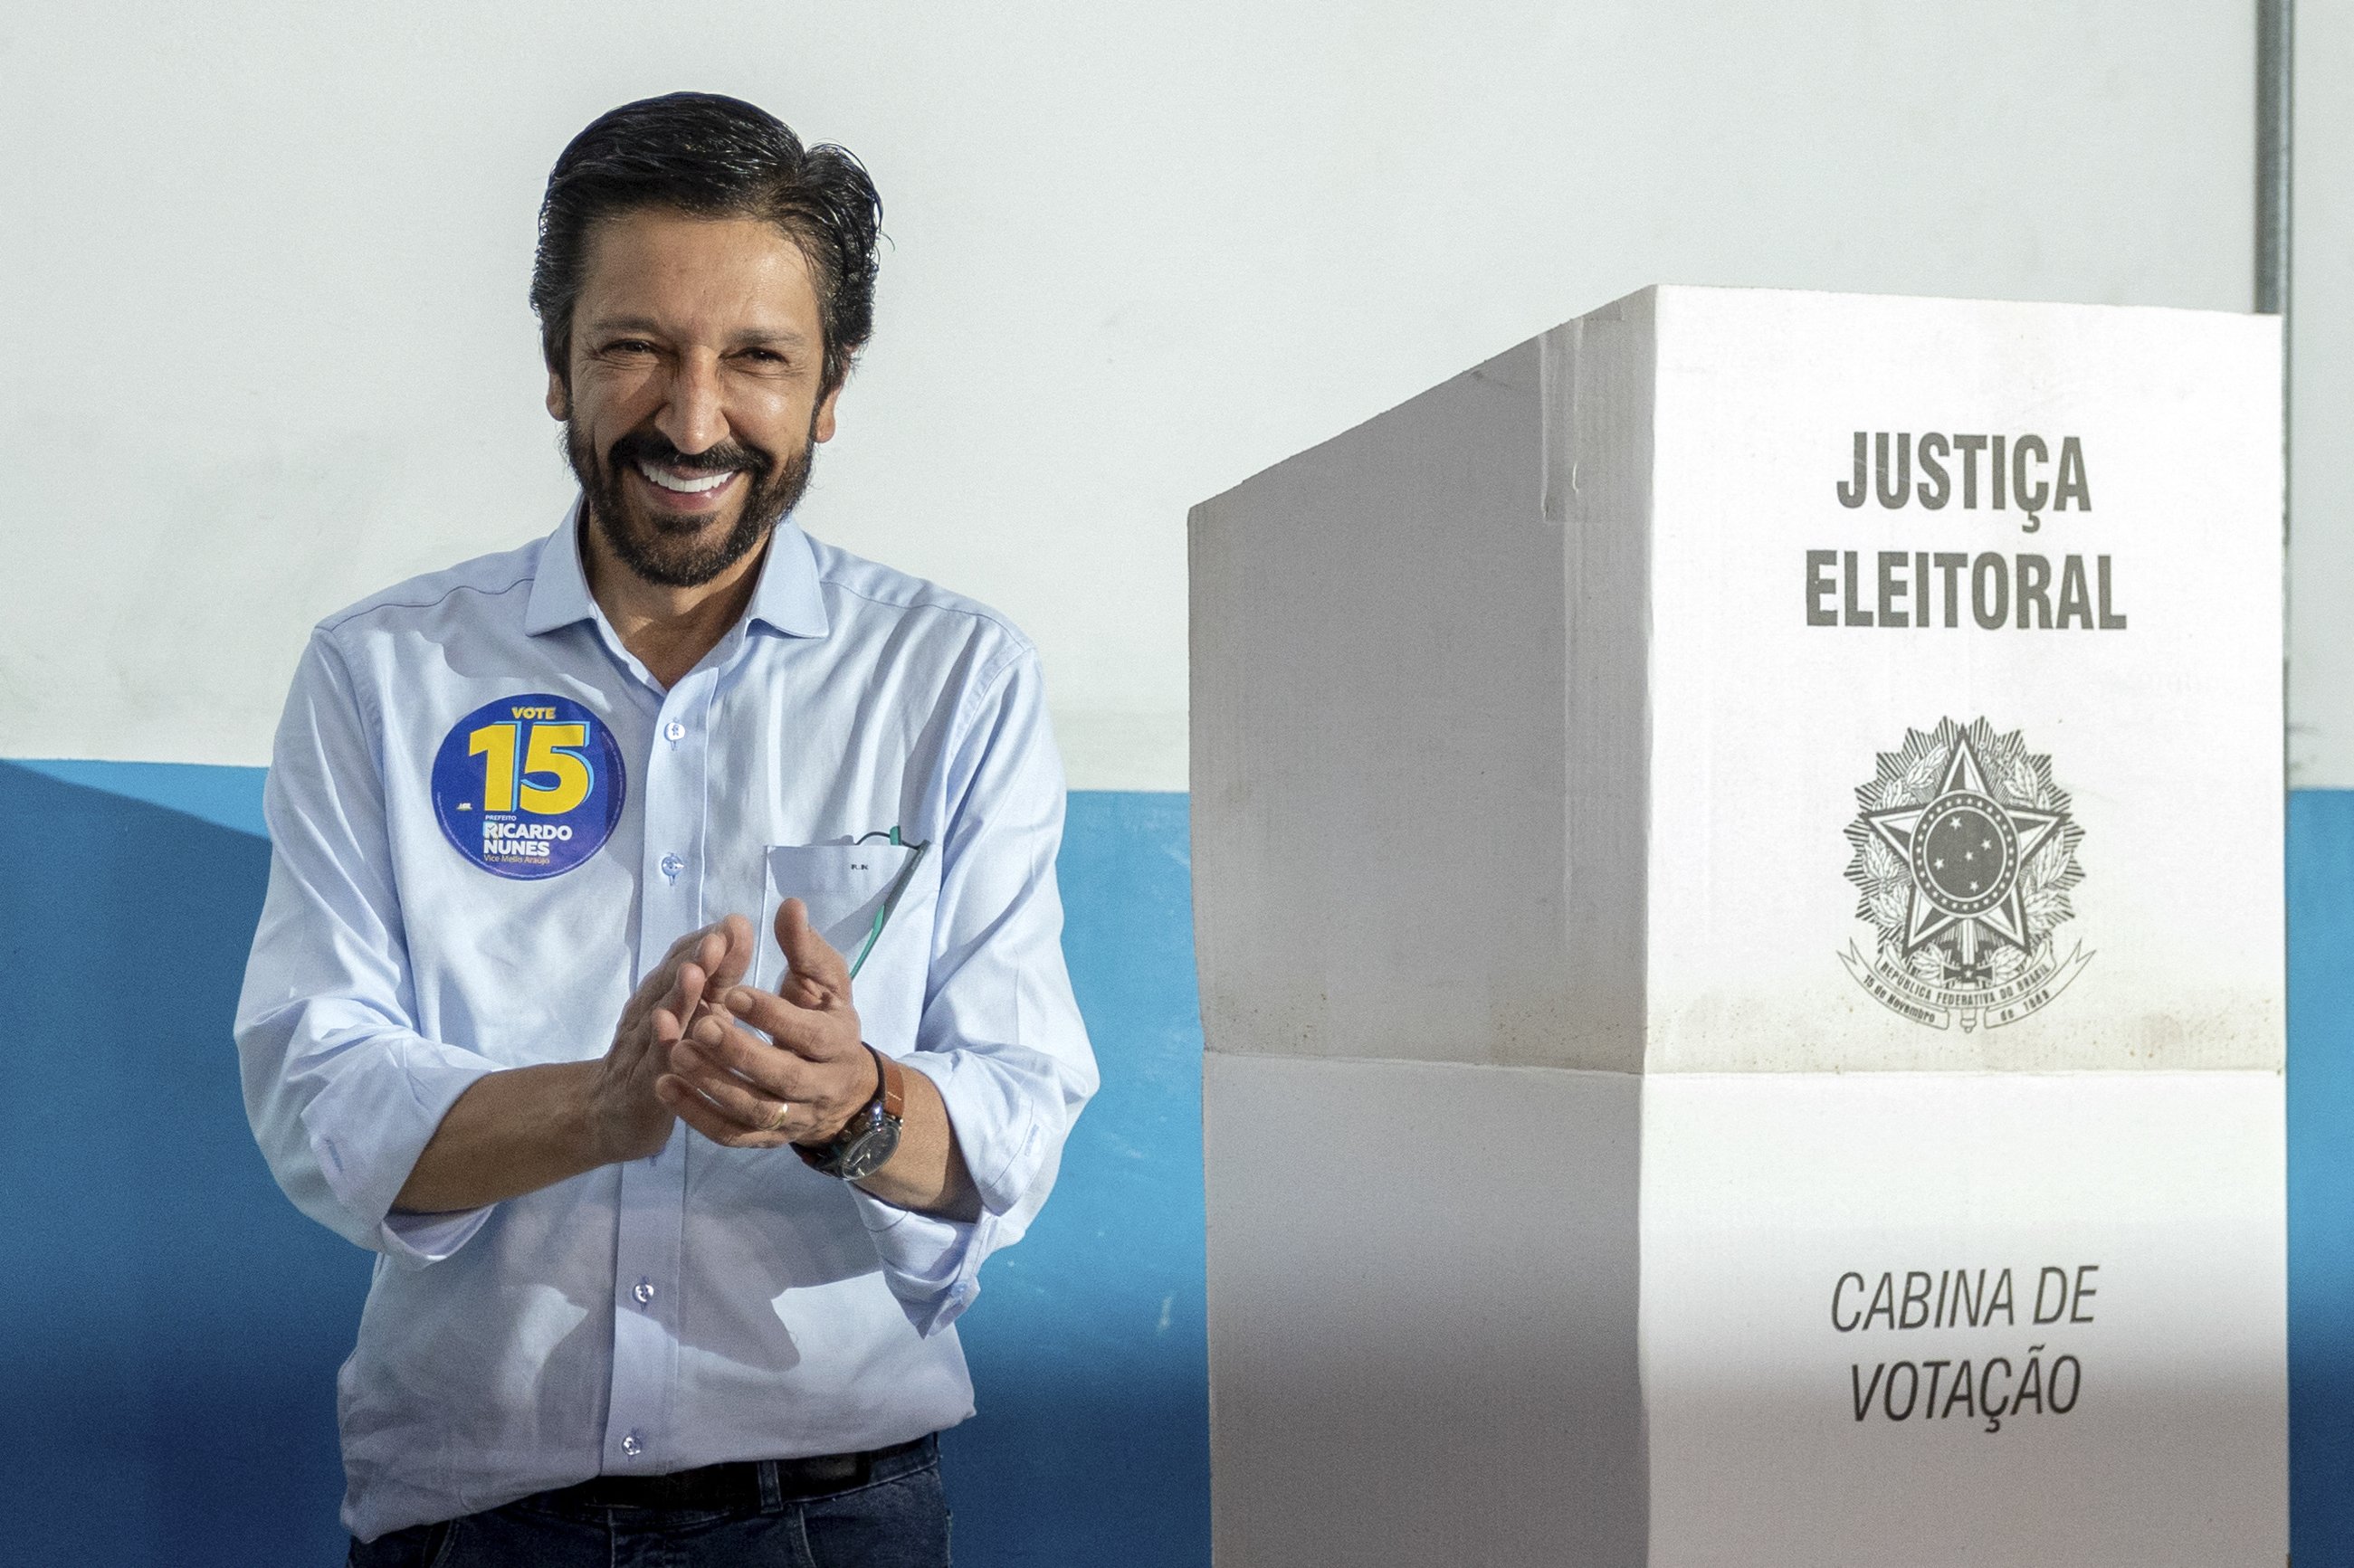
727,457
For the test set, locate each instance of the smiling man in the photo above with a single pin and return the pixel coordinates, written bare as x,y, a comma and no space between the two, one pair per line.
662,967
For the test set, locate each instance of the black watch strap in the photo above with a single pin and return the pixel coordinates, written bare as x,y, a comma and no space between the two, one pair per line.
872,1131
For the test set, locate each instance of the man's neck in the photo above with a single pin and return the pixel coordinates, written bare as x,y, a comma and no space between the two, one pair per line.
668,629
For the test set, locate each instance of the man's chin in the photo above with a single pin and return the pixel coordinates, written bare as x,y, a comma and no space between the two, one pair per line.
675,551
651,522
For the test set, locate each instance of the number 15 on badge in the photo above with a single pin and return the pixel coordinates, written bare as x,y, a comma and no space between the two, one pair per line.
529,786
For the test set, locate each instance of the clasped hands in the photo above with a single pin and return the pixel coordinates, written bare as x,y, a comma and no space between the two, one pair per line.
685,1047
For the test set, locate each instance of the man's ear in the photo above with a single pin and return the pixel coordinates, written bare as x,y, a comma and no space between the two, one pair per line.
559,398
821,426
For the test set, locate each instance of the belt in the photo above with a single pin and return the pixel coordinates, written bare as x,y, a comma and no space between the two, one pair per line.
738,1483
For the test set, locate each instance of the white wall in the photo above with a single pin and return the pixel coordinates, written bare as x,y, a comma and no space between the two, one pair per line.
268,349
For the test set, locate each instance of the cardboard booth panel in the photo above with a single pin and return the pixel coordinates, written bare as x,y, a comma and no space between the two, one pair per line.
1740,1318
1378,742
1422,1303
1964,1318
1847,728
1748,679
2013,571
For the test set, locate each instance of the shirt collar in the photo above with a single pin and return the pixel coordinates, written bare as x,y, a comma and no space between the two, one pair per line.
786,599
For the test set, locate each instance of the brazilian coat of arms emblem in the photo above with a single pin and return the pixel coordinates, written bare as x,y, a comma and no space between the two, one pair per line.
1964,854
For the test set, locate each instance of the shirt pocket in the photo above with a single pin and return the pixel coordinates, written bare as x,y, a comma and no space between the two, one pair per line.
847,888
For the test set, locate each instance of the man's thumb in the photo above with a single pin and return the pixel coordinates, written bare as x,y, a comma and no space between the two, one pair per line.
808,955
794,930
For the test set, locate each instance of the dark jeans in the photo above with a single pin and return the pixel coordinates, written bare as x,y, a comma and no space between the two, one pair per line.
898,1518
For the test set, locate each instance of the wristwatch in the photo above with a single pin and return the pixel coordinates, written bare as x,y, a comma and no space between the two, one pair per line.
871,1135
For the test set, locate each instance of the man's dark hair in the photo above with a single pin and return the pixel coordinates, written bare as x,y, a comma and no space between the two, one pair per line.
711,156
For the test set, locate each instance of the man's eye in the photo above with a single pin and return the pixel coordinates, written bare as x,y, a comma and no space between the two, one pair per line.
629,346
764,356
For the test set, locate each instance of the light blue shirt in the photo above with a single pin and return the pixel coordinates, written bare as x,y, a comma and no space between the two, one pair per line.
706,1303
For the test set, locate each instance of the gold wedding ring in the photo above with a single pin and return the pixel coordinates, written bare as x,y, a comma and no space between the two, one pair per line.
777,1122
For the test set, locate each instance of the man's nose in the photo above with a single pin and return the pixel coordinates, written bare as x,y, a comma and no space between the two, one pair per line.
693,416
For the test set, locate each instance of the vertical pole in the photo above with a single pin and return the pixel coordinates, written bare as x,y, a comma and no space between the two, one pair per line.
2276,125
2276,58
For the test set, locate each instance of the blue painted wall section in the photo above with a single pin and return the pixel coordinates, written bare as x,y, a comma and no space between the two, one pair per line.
171,1328
1090,1344
2321,1177
169,1340
175,1326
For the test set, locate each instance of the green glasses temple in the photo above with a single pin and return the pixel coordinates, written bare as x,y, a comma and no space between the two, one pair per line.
890,899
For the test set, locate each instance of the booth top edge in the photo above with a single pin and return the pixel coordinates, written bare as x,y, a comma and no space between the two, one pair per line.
1670,292
1666,308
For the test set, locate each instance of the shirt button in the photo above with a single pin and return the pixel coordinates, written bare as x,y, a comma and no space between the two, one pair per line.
674,731
632,1444
672,865
644,1291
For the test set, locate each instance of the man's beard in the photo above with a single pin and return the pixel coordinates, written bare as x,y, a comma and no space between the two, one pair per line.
667,550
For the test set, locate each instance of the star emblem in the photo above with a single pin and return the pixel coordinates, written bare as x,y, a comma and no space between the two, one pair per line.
1965,849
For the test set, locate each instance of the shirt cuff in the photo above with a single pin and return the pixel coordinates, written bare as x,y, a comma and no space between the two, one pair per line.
368,1124
997,1131
430,1238
932,1265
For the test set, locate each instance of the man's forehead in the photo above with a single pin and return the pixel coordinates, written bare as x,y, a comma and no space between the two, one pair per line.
644,265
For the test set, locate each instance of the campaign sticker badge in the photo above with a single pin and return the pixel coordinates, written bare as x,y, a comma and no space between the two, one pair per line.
528,787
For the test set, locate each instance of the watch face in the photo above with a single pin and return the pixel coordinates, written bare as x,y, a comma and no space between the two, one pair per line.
863,1153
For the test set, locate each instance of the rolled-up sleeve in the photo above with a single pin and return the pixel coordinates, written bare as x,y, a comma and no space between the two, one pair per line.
1000,1033
342,1090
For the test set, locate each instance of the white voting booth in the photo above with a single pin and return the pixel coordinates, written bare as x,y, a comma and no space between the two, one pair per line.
1737,876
